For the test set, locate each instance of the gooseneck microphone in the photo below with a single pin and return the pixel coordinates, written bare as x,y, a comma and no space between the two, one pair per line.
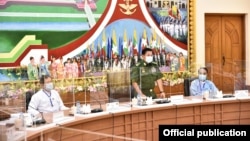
95,110
40,121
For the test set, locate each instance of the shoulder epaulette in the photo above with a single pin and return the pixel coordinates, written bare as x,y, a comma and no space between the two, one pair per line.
154,63
137,64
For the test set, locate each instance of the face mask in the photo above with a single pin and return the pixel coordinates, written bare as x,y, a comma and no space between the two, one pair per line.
49,86
202,77
149,59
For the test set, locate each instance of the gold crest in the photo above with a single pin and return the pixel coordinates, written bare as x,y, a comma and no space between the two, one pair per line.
127,8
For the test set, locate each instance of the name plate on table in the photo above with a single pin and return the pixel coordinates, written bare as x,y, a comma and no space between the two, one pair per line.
53,117
112,106
176,98
241,93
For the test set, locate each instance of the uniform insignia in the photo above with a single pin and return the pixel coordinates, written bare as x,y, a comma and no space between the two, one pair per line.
153,69
143,70
137,64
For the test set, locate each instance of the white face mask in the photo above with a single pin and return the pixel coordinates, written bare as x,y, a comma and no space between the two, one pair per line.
49,86
202,77
149,59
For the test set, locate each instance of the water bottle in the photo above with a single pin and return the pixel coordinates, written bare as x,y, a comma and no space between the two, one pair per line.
78,107
21,117
213,94
139,100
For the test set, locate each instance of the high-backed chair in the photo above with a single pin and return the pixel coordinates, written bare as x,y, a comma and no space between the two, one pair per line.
187,83
211,69
28,96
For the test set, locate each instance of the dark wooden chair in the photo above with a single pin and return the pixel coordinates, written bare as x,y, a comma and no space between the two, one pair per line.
28,96
187,83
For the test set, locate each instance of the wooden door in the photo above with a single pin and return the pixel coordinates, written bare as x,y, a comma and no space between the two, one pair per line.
224,43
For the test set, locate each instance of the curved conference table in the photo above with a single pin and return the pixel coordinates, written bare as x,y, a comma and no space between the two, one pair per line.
142,122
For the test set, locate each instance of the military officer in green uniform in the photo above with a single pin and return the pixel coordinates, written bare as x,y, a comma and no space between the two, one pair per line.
145,75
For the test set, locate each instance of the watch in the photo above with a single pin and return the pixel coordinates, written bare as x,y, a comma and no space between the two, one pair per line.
161,91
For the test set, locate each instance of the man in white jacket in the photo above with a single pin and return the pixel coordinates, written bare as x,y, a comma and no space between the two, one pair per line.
46,100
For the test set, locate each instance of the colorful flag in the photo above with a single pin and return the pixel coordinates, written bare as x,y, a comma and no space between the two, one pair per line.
135,47
125,44
88,51
144,41
120,47
98,54
114,44
150,42
104,44
130,48
140,46
109,48
153,43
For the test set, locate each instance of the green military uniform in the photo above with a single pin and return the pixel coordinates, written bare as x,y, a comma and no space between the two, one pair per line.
145,75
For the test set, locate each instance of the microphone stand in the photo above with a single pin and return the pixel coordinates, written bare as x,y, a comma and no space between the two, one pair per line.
40,121
96,110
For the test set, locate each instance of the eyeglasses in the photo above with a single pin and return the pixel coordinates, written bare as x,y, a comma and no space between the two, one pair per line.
203,73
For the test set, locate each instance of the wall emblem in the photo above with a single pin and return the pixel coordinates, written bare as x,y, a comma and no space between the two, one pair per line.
127,8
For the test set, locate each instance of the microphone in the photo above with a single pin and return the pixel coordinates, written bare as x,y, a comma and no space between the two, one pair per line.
40,121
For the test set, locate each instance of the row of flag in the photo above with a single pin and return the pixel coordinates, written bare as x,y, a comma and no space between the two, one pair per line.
110,48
